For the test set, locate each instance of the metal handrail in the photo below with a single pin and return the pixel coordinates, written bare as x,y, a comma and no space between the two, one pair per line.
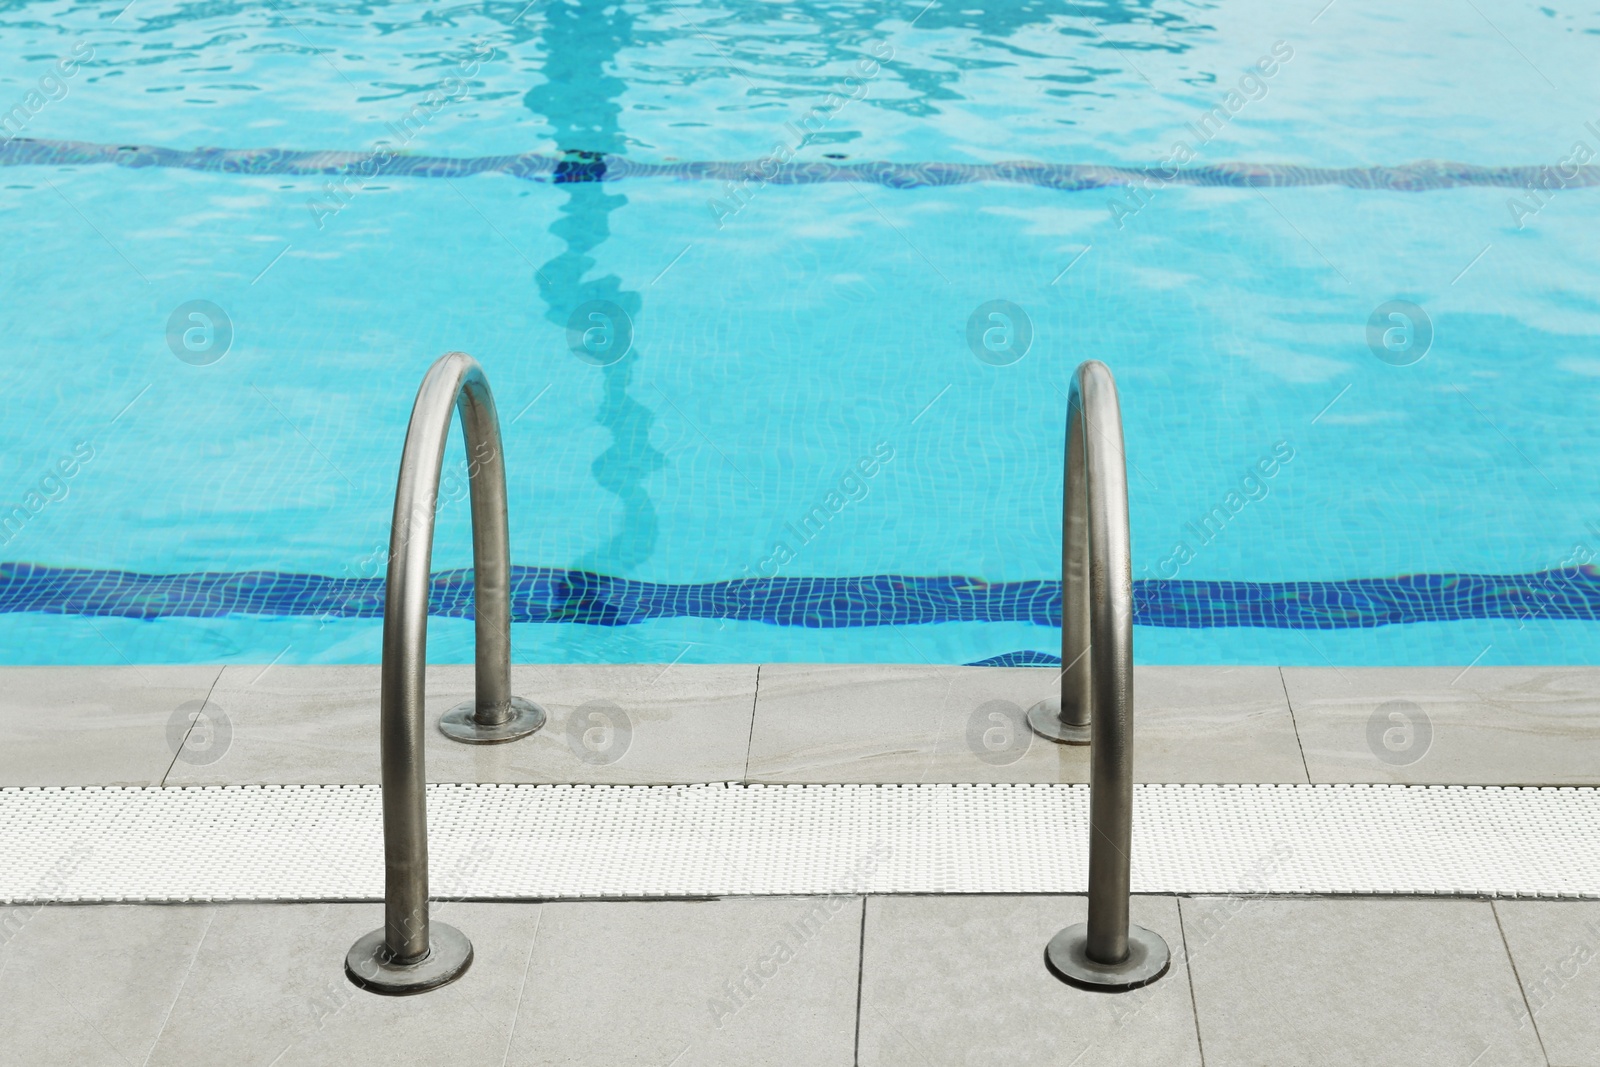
410,955
1107,952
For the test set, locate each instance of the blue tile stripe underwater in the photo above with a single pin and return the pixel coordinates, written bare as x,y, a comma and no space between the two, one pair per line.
553,594
578,166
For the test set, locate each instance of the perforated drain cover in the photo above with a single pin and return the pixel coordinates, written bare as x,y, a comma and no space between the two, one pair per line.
542,841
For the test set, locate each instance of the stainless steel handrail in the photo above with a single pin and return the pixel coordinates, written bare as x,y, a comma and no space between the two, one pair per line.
410,955
1107,952
1065,719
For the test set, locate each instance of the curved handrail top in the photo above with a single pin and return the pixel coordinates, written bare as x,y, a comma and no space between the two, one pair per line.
1094,392
428,431
455,381
1093,404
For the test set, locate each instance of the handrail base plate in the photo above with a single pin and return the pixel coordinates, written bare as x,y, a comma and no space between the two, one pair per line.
1045,720
460,723
1067,957
368,964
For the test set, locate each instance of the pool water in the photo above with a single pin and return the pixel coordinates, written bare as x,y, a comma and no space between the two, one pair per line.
761,303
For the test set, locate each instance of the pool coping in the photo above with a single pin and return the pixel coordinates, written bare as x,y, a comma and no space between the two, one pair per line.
805,723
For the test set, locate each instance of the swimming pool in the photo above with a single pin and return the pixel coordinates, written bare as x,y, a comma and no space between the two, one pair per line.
836,323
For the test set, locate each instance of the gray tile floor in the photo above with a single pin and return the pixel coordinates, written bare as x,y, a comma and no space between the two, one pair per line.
1443,725
615,724
958,980
96,725
907,980
1355,981
832,982
1556,949
806,723
884,723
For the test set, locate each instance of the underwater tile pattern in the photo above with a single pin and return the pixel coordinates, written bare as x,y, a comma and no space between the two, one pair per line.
556,595
584,166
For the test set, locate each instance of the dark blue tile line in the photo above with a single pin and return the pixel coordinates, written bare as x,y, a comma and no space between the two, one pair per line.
1019,659
538,594
548,594
577,166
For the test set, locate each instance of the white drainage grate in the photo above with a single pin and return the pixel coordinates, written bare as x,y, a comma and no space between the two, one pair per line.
542,841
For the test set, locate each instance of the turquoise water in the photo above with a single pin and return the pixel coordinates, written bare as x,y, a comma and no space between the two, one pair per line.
780,338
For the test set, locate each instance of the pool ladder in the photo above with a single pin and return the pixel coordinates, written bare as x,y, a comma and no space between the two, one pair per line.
1107,952
410,954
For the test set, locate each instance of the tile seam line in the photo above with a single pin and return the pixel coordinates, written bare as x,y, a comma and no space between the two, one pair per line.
1516,975
790,894
522,988
861,970
1188,973
210,691
188,972
750,738
1294,722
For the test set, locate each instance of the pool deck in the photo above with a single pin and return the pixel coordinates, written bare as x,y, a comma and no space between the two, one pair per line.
806,723
876,979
